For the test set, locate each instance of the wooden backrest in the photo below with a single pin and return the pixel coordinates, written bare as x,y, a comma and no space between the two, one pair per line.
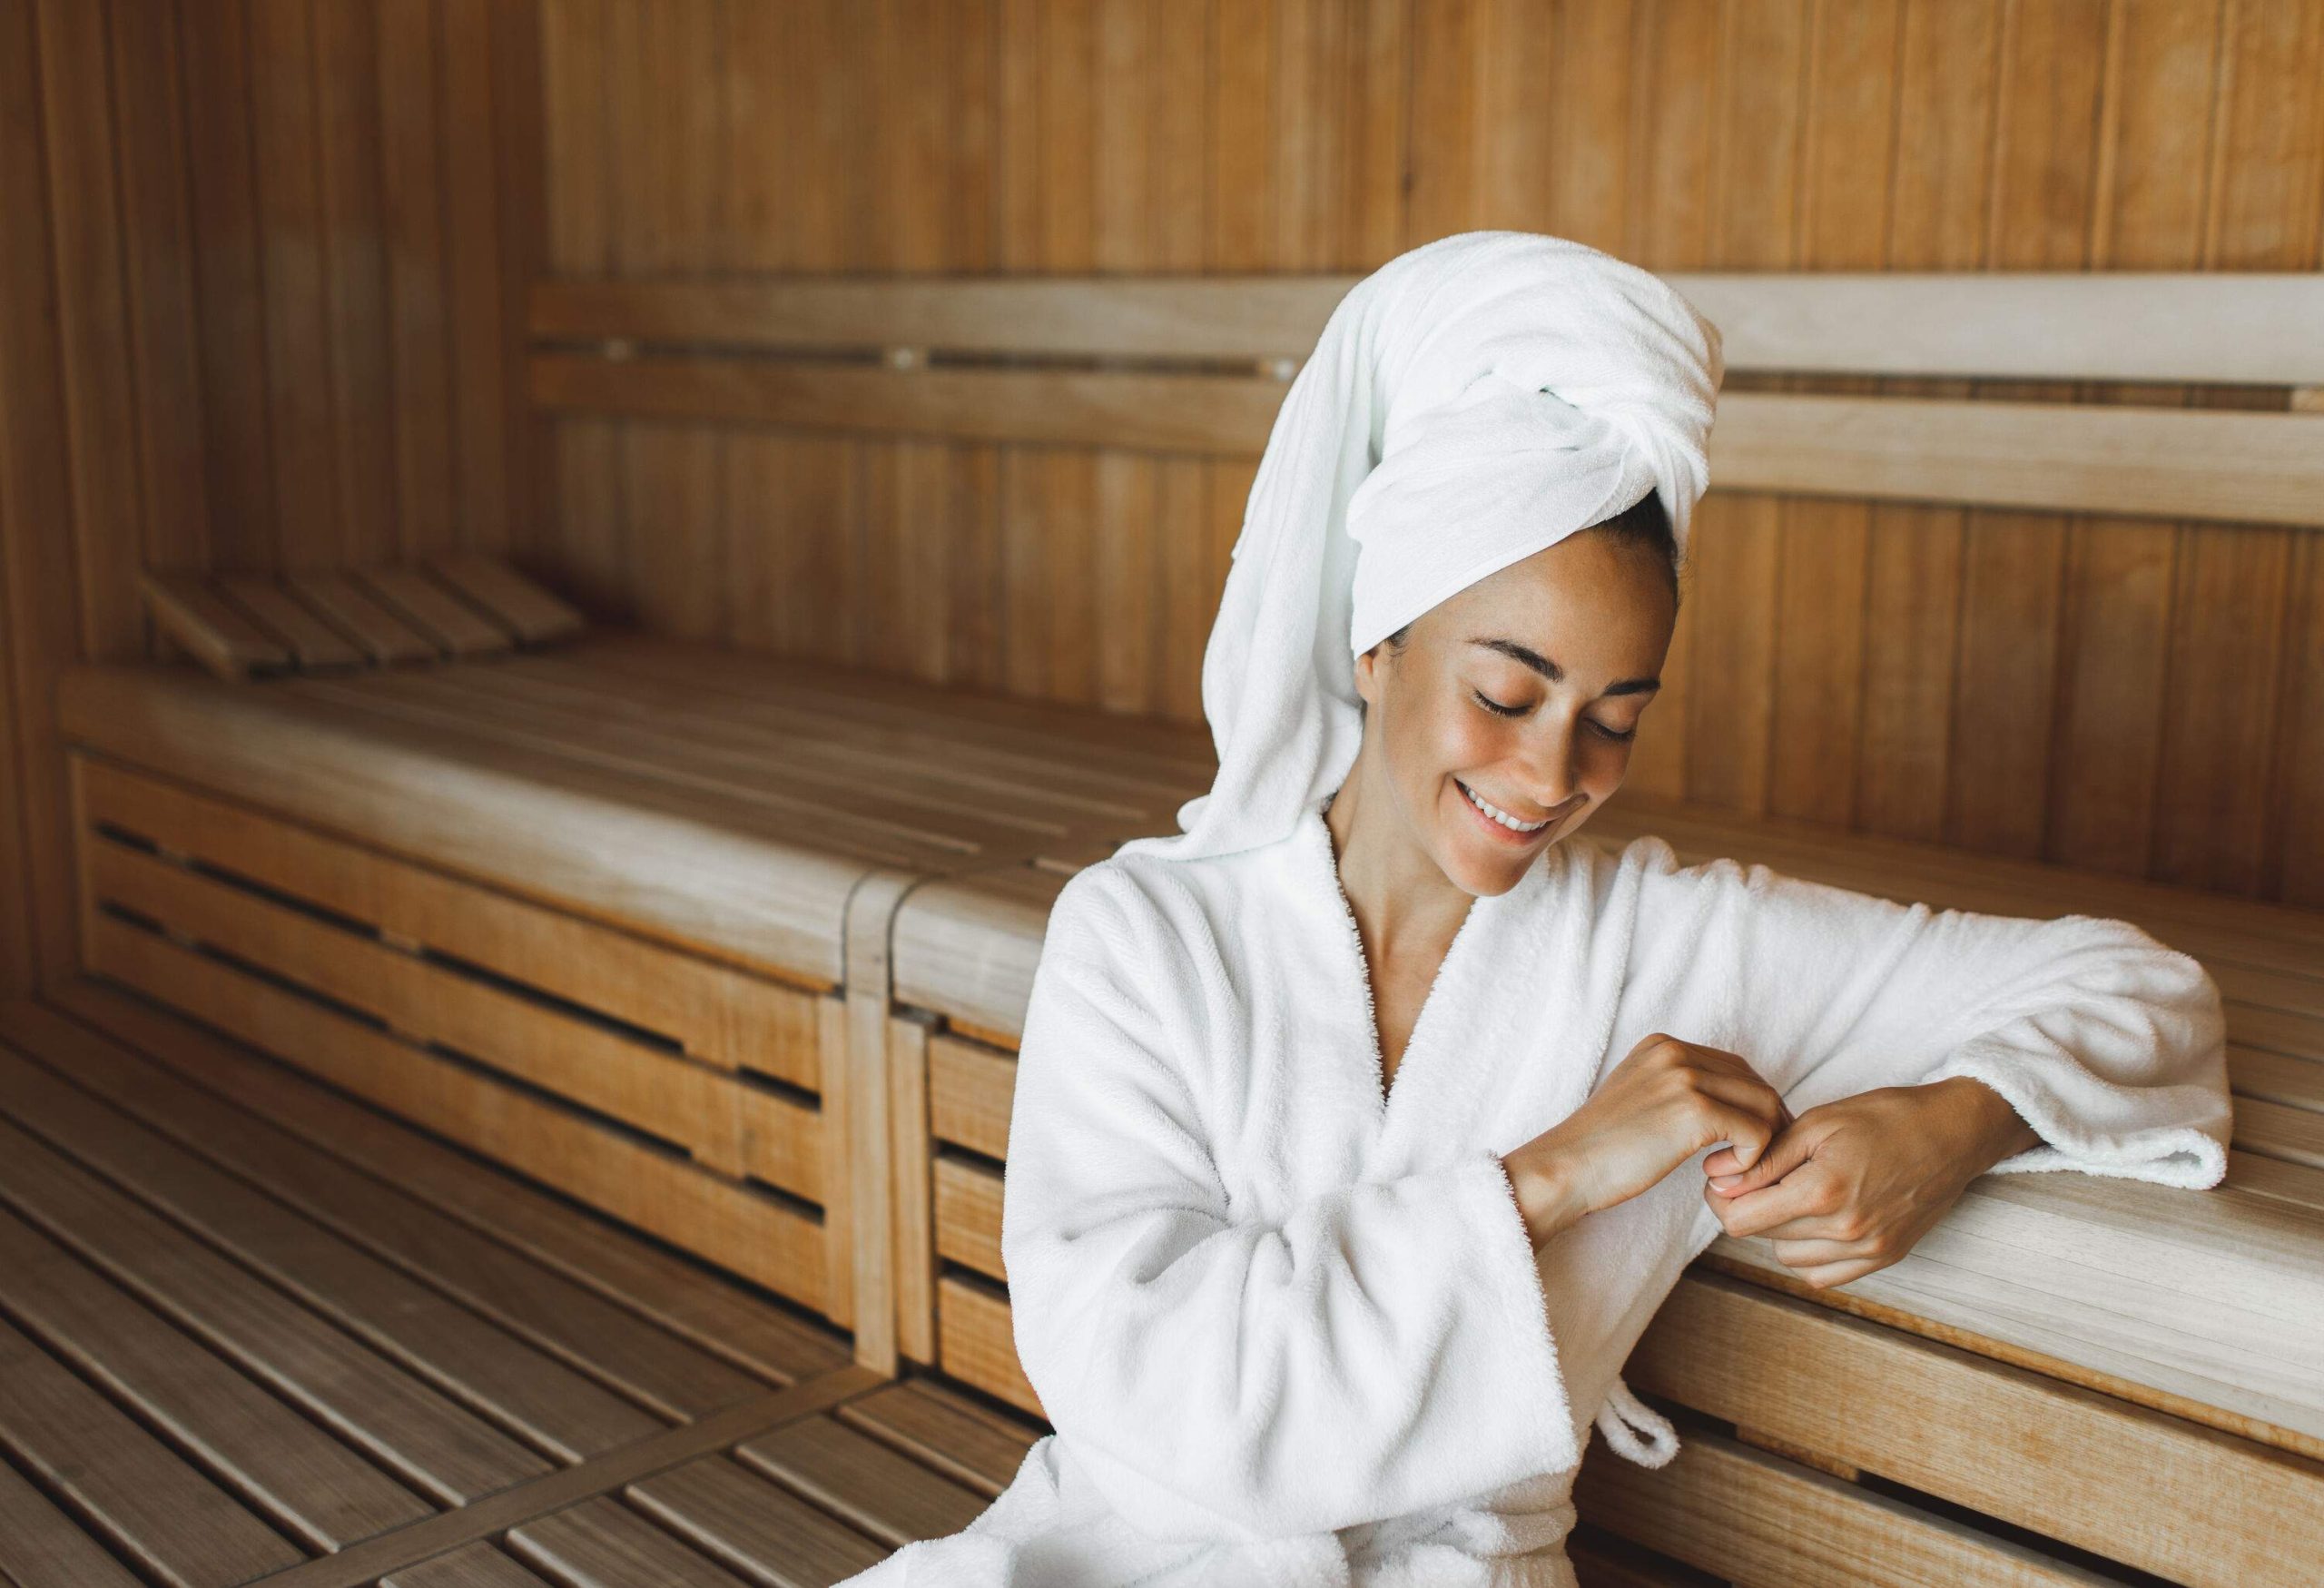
1199,364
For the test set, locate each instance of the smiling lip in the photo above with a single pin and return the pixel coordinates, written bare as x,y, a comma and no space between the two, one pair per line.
1502,834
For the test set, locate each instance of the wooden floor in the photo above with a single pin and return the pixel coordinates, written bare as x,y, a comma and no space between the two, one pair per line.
254,1331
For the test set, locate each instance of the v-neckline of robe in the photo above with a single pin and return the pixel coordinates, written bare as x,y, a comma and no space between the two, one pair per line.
1385,1088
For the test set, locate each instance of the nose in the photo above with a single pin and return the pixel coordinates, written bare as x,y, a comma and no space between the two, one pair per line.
1551,774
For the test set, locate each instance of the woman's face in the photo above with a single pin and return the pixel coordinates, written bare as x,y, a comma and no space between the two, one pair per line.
1525,689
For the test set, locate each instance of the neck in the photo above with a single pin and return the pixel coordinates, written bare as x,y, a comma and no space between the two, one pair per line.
1401,896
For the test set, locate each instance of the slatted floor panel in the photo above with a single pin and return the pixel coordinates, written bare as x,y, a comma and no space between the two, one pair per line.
253,1330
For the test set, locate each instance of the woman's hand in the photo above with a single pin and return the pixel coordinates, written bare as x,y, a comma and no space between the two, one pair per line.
1854,1184
1663,1103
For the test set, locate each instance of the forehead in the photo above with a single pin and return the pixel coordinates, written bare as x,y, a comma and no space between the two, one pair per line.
1590,602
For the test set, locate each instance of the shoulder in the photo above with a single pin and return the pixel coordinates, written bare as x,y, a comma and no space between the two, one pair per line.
1141,906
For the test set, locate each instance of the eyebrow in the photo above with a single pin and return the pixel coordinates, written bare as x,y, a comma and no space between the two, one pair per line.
1555,674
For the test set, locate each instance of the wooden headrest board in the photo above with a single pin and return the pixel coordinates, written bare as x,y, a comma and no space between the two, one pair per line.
1199,364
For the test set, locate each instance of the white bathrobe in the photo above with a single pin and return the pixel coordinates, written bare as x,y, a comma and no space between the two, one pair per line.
1291,1332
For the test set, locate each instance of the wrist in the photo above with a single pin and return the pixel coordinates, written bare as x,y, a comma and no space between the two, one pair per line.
1992,1126
1548,1198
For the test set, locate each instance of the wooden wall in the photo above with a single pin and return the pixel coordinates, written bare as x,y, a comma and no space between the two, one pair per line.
262,262
262,271
2144,697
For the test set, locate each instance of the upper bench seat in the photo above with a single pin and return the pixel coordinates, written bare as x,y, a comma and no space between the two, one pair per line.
726,803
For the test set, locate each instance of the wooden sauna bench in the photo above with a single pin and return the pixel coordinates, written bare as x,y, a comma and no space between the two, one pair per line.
597,912
256,1331
2129,1370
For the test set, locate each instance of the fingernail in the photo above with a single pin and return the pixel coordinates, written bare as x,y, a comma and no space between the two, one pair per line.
1723,1181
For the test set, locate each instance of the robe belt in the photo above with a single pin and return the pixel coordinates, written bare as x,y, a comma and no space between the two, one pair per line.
1624,1417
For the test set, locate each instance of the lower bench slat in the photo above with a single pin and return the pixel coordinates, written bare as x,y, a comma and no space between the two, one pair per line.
750,1233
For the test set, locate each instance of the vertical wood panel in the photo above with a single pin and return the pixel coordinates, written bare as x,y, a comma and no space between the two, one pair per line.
349,155
2005,679
1824,556
92,330
474,288
2154,160
1675,67
1947,100
231,321
2230,646
158,255
1753,224
298,403
43,627
412,136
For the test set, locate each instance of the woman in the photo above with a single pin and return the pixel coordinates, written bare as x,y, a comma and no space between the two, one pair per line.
1361,1128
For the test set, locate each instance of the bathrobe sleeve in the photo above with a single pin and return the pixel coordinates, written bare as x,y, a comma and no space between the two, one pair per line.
1375,1350
2109,1044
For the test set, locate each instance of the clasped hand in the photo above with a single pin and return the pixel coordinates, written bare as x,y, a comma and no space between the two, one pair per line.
1847,1187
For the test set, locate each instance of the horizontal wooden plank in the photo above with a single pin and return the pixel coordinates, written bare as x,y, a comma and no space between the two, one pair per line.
2230,328
2134,462
975,1344
2241,327
728,1125
1214,317
2172,463
1758,1518
2085,1468
753,1234
663,863
724,1016
967,1215
1202,414
969,1088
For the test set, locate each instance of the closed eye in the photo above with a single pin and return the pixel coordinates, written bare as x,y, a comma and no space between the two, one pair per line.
1599,728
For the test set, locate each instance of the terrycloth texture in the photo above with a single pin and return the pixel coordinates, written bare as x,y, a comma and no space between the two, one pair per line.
1291,1332
1469,403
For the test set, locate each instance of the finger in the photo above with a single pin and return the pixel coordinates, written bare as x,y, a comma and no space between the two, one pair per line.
1746,1103
1797,1255
1799,1196
1732,1174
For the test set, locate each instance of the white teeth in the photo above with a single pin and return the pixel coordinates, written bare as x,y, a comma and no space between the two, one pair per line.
1503,817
